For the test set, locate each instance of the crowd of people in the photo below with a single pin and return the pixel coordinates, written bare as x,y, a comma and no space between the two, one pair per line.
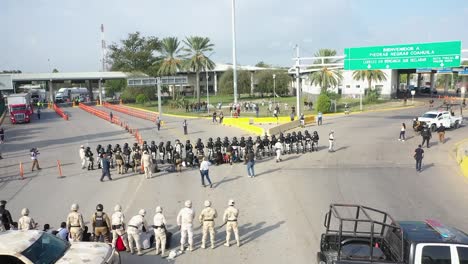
136,232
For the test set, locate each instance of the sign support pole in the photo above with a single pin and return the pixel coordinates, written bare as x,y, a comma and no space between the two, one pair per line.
159,98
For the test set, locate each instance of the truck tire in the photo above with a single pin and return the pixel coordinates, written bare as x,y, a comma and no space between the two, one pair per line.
433,128
456,125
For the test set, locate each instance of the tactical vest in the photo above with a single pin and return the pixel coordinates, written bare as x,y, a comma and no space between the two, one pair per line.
99,220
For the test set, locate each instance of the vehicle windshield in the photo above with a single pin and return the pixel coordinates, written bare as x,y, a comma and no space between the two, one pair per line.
429,115
47,249
18,108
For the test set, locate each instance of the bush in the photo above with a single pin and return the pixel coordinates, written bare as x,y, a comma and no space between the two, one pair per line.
141,99
129,94
373,96
323,103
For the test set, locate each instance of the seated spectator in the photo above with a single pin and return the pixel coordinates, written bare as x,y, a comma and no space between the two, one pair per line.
47,228
62,232
14,226
86,235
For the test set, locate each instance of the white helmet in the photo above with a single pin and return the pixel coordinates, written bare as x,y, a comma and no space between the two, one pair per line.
142,212
159,209
231,202
75,207
25,211
207,203
118,208
188,203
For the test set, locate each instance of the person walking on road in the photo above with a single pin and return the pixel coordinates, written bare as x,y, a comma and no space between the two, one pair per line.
2,135
34,154
158,123
184,124
278,149
250,161
5,217
204,172
319,118
134,229
75,223
105,167
221,117
118,227
111,116
39,113
185,223
426,135
231,214
418,156
402,132
147,163
83,157
206,218
214,118
160,230
441,132
331,141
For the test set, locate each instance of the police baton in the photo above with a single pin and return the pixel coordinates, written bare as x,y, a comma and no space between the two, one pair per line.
222,225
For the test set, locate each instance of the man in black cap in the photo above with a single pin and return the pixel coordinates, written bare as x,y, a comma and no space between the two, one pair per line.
5,217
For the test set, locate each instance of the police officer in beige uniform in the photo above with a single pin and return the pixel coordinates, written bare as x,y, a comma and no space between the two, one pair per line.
101,223
75,223
147,162
134,228
82,157
160,230
206,218
184,221
230,218
118,227
26,222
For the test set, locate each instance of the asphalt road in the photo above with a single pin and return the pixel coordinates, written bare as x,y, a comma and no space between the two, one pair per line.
281,210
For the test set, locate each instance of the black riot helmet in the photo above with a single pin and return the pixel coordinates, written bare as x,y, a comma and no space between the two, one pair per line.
152,142
299,133
135,144
294,134
125,145
210,139
99,207
109,146
250,138
99,146
88,148
218,139
242,139
273,137
188,141
199,140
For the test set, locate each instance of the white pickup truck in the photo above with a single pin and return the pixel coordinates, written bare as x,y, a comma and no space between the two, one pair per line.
434,118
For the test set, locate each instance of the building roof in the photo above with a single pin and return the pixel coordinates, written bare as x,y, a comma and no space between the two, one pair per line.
62,76
222,67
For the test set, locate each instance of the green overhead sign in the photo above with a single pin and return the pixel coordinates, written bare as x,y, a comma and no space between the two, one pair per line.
409,56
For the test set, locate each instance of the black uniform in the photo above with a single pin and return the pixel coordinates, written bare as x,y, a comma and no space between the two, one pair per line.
90,158
5,216
426,135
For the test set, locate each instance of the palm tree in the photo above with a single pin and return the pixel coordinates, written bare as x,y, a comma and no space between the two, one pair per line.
171,61
370,76
196,58
325,77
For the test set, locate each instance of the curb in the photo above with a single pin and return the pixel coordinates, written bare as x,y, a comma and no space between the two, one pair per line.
463,161
163,114
2,118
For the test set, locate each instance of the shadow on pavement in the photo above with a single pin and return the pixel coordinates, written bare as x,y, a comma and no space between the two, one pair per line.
427,166
249,232
225,180
267,172
342,148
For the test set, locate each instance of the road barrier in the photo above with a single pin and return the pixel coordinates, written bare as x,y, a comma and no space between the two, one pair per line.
243,123
21,170
59,167
461,153
115,119
132,111
60,112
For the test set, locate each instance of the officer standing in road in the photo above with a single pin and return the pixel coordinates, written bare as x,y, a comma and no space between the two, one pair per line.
418,156
158,123
319,118
118,227
120,162
5,217
147,163
75,223
34,154
279,149
441,132
185,223
101,223
89,157
134,229
426,135
250,161
105,168
331,141
230,217
184,124
206,218
82,157
160,230
26,222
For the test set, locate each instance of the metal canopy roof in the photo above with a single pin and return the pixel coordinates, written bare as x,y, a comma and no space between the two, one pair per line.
63,76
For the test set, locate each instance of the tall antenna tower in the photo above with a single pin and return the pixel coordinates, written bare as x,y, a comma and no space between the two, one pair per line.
103,50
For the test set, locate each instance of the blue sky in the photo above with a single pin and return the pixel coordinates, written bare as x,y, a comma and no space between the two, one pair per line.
68,31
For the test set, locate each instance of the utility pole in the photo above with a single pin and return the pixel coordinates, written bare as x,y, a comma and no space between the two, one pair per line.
298,83
207,91
234,58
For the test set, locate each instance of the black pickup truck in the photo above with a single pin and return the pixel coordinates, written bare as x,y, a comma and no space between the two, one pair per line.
358,234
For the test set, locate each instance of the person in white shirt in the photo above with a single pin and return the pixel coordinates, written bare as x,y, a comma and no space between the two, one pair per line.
331,141
402,132
118,227
160,230
82,157
134,229
278,148
204,172
184,221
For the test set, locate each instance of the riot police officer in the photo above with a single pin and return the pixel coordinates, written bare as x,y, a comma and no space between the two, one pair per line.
101,224
266,144
199,146
162,152
210,147
90,158
226,144
188,146
145,147
178,147
272,144
287,142
117,148
98,152
109,153
242,146
294,147
126,153
300,142
258,147
189,157
308,141
169,152
218,144
153,149
5,217
249,144
315,139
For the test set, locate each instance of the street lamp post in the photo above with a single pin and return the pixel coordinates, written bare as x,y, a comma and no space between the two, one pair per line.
360,99
234,59
207,91
274,88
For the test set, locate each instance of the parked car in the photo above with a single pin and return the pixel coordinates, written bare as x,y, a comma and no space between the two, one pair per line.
33,246
427,90
433,119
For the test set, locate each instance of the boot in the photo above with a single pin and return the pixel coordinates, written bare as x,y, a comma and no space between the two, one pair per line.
191,247
203,246
227,244
182,248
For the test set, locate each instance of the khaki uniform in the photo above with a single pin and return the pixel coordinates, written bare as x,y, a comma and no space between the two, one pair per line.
75,225
83,158
101,223
206,218
120,163
160,232
118,229
230,218
134,231
26,223
184,220
147,162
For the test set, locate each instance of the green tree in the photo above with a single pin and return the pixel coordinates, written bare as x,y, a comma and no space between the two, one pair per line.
196,47
323,103
135,54
114,86
171,60
262,64
141,99
326,77
370,76
226,82
265,82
